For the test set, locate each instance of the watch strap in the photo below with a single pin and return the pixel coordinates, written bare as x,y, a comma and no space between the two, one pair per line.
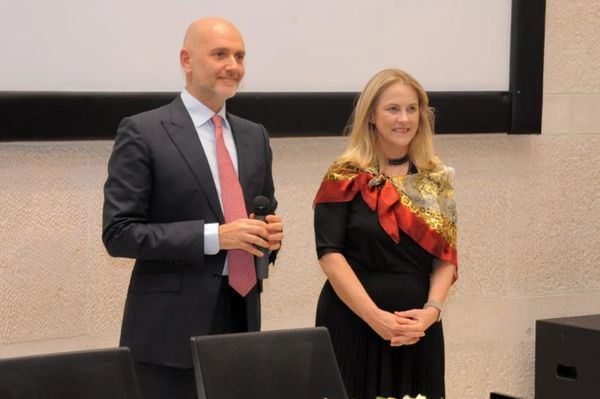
435,304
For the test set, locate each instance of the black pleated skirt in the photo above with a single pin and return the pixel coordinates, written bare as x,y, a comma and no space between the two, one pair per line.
370,367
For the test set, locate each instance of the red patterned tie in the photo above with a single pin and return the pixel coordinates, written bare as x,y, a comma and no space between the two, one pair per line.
242,275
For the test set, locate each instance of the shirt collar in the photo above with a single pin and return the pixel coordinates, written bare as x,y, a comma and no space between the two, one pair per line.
199,112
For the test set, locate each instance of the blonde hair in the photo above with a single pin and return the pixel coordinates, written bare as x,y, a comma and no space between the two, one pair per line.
362,148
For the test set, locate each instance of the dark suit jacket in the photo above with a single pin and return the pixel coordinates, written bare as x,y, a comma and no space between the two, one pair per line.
158,195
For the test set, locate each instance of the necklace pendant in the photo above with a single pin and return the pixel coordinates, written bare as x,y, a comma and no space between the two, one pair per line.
375,181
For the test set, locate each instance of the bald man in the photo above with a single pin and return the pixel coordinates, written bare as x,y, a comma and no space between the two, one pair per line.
163,207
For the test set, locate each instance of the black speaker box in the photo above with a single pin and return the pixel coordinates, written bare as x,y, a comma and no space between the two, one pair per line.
567,358
495,395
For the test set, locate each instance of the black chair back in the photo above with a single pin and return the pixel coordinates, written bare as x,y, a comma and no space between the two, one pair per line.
91,374
291,364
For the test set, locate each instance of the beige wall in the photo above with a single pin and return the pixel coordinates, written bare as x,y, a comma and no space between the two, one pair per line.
528,230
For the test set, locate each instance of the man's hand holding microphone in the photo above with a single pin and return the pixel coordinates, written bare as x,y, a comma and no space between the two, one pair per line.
260,234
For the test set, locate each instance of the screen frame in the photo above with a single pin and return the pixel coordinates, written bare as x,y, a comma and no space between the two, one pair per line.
47,116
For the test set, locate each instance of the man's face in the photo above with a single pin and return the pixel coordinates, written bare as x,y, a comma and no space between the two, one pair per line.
213,61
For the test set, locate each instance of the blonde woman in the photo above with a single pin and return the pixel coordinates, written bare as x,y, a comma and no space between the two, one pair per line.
385,227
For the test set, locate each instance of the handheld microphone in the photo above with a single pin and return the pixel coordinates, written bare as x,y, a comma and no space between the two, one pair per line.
261,207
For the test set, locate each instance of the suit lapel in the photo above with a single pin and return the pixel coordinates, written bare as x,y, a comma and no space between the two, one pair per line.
183,133
244,155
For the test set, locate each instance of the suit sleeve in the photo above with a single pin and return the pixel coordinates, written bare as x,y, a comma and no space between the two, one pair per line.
127,229
269,186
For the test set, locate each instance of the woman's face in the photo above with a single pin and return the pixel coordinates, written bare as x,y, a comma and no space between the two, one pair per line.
396,119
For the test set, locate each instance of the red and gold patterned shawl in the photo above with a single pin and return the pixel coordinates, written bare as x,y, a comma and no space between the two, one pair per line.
421,204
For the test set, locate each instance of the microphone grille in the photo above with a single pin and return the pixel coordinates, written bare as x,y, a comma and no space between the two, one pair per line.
261,205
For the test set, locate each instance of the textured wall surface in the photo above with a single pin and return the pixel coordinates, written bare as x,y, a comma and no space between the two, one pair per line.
528,230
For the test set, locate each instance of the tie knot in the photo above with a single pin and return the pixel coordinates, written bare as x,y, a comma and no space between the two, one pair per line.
217,121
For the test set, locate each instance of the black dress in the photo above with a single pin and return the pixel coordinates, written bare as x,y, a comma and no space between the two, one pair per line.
396,276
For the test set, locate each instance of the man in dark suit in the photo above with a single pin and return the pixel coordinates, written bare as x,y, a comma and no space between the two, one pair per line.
163,206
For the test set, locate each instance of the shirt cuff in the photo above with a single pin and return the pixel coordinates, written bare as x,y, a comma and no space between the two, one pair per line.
211,239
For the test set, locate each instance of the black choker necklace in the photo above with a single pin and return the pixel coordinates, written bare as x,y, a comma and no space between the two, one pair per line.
398,161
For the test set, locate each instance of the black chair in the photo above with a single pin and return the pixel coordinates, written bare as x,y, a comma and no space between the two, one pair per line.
91,374
290,364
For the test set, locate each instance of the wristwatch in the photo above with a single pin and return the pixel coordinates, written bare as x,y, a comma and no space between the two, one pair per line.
435,304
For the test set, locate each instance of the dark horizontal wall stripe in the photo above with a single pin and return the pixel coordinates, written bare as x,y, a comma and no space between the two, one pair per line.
70,115
96,115
472,112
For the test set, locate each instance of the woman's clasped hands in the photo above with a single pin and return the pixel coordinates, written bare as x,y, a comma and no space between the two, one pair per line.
405,327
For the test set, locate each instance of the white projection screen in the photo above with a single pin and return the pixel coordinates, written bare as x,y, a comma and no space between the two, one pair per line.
292,46
80,66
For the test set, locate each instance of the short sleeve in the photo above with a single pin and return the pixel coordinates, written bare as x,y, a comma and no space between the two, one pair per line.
330,222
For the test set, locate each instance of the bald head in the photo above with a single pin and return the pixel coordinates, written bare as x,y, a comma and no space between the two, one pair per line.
204,28
212,59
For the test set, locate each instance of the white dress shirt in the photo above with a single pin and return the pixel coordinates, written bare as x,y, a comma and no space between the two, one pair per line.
201,117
